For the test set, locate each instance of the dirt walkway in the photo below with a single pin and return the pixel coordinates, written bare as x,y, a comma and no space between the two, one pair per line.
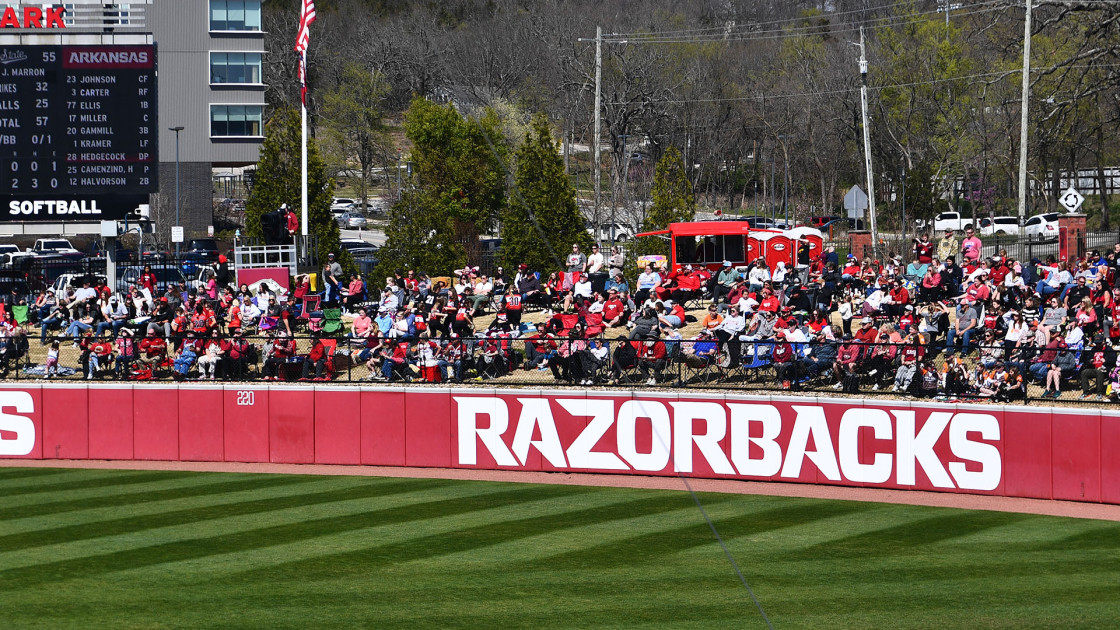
1071,509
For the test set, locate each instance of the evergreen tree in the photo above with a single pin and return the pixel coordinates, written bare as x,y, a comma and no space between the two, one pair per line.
458,189
673,202
542,219
278,181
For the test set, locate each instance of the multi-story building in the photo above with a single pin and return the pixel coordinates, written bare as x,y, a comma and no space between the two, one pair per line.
209,86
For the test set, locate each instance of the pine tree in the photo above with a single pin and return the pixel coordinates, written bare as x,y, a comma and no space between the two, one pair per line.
278,181
542,219
673,202
458,189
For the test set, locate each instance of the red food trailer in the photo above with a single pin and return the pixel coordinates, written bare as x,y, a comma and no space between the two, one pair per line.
709,243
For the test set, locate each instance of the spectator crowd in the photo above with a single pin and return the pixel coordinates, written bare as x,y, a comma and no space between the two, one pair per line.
940,320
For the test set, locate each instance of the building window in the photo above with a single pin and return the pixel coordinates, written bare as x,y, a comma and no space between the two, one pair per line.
235,15
235,67
117,14
236,121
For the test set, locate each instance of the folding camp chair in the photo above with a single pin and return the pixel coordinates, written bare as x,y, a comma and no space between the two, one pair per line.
20,313
332,321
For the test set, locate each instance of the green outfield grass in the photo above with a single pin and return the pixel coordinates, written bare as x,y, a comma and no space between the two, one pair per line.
130,549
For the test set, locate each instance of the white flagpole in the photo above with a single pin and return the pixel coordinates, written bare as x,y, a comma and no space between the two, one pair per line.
303,150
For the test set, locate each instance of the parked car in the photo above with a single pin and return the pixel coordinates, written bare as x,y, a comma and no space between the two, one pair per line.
165,276
999,225
75,280
1042,226
207,248
8,248
151,252
97,249
358,248
622,232
351,220
951,221
821,221
341,204
372,207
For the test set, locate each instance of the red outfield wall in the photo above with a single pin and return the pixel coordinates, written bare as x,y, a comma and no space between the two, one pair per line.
981,449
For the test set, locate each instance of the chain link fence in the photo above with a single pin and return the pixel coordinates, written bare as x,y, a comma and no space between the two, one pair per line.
992,372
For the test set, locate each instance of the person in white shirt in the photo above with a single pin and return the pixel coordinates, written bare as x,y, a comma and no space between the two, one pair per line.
758,276
596,270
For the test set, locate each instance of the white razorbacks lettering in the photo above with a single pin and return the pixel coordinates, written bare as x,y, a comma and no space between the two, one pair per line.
871,446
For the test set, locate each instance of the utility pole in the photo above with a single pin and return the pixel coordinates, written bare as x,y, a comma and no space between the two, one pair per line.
903,177
177,197
867,147
598,166
1023,118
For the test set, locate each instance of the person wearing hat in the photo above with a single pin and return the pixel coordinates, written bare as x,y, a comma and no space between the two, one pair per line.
847,365
528,284
127,352
652,358
332,273
947,246
822,353
114,315
723,282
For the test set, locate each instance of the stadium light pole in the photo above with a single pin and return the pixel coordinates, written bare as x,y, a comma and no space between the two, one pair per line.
177,199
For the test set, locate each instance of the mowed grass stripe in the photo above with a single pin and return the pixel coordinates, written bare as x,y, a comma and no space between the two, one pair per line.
8,475
87,547
201,485
108,481
388,533
177,517
646,547
266,536
479,537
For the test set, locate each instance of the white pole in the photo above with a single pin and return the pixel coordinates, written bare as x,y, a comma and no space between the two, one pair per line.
598,158
1023,118
303,153
867,149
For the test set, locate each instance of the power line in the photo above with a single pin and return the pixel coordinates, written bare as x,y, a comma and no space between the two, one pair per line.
765,97
666,37
794,20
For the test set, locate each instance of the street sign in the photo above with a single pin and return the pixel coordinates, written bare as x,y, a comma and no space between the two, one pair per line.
176,234
1071,200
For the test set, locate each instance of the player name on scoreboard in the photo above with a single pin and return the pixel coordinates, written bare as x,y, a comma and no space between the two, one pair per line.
76,122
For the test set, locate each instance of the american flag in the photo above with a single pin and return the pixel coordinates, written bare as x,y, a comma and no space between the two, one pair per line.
303,36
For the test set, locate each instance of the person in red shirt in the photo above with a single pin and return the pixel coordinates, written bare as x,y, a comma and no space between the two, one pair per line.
614,311
318,358
900,298
292,222
148,280
847,362
866,336
769,302
280,349
652,355
513,309
153,349
688,285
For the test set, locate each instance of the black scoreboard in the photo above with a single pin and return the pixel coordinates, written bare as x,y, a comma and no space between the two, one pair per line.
78,132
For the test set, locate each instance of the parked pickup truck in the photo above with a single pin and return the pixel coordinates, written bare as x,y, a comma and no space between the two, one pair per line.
55,246
951,221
